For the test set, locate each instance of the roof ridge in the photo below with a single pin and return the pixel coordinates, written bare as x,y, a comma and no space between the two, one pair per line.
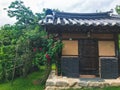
56,12
81,15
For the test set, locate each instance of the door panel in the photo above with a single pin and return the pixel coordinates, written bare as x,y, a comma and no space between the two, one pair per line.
88,57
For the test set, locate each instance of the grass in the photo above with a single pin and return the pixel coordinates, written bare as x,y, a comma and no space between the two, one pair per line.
112,88
53,67
26,83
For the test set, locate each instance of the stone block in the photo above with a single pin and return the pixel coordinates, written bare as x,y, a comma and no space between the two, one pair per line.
50,88
50,83
83,84
72,84
105,84
95,84
115,84
61,84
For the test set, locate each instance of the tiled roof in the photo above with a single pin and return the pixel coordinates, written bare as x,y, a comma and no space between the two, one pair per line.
88,19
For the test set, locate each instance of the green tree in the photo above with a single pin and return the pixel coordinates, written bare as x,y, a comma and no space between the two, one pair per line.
23,14
118,9
23,49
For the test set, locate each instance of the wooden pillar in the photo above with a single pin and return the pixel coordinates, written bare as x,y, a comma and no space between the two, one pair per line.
59,72
118,55
116,38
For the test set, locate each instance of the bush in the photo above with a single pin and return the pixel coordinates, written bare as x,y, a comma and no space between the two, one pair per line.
22,50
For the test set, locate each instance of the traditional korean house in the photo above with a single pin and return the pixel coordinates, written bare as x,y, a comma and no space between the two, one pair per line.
90,42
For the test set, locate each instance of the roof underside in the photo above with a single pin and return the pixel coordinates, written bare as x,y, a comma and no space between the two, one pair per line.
61,21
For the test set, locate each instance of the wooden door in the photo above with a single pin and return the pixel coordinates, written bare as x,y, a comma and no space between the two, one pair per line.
88,52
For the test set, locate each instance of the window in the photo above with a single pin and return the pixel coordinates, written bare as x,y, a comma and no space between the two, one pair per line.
106,48
70,47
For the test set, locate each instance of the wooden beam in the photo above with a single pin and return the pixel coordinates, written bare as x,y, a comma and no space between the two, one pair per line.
82,29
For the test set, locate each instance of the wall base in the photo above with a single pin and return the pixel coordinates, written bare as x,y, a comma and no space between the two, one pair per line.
58,82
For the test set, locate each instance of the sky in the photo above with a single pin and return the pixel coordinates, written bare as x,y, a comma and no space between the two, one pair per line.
77,6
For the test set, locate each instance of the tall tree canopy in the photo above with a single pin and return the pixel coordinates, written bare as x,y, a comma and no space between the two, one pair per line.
118,9
23,14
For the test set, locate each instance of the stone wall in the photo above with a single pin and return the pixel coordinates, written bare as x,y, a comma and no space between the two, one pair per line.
58,82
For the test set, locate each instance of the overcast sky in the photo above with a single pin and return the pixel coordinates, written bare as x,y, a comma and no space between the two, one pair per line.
79,6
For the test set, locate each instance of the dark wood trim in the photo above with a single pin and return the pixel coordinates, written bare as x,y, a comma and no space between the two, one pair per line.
98,60
116,37
116,44
60,36
83,29
88,39
68,39
107,56
117,50
106,39
118,56
69,55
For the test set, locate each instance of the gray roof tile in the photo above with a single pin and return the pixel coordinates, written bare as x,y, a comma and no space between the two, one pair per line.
64,18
